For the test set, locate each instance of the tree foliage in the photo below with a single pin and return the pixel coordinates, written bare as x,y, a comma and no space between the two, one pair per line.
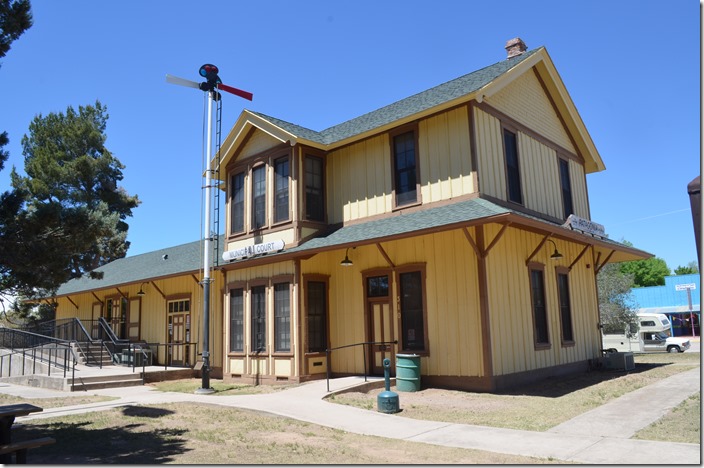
616,307
67,216
690,269
648,272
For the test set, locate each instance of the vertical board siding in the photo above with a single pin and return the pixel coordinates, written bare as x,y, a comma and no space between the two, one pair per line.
525,100
360,179
258,142
490,155
511,308
444,155
540,176
153,311
580,200
451,295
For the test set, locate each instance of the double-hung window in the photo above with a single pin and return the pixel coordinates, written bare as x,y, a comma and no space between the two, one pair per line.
316,316
260,193
513,173
540,312
281,194
412,308
259,197
566,188
237,320
282,317
563,291
237,203
405,168
315,201
258,319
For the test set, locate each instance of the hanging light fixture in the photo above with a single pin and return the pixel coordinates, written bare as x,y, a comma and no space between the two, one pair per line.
347,262
555,255
141,291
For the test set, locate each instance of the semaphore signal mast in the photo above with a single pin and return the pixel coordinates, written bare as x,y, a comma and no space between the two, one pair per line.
211,85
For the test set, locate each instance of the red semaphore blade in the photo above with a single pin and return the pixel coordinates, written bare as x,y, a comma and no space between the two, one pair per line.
237,92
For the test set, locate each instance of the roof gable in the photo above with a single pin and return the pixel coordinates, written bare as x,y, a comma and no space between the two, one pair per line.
479,85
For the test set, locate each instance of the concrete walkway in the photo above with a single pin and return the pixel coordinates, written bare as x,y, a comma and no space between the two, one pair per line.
600,436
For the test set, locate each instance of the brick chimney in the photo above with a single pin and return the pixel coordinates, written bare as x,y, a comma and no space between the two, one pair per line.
515,47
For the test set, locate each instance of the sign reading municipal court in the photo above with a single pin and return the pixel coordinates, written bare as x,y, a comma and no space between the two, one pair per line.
253,250
586,226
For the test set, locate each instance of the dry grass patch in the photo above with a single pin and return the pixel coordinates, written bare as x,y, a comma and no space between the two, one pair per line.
536,407
221,388
54,402
190,433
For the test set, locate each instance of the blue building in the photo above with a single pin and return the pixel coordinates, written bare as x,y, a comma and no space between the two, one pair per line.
679,299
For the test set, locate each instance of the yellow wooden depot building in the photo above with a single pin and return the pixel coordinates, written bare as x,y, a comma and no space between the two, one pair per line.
453,225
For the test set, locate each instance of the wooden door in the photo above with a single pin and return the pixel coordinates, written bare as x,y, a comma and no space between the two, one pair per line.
381,330
179,335
133,317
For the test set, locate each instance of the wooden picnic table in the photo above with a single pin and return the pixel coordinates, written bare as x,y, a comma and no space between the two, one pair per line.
8,413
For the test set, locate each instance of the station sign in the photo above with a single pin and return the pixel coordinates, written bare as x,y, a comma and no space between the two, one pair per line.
684,287
253,250
586,226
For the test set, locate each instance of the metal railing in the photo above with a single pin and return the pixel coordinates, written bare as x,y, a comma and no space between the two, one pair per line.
364,345
54,353
188,352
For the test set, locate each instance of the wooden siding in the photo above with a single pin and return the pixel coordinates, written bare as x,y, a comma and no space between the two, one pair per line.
452,299
359,176
491,170
510,306
359,180
445,156
525,100
153,310
258,142
538,162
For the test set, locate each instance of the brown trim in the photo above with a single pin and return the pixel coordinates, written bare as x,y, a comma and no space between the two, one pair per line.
496,238
578,157
74,304
282,279
581,254
298,317
121,293
505,119
538,346
473,157
157,289
597,266
393,133
319,278
537,249
507,127
385,255
478,252
411,268
484,311
313,153
96,297
566,272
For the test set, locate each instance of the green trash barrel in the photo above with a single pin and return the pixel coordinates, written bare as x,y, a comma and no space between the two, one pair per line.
407,372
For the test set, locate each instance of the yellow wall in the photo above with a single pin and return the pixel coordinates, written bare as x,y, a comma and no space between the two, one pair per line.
511,316
153,328
525,101
540,177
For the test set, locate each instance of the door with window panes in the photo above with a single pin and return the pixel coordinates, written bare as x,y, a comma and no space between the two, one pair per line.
380,324
179,332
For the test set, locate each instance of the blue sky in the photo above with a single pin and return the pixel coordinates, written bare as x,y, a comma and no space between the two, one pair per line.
631,67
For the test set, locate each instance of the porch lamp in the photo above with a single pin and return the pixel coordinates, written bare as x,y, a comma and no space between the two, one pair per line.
555,255
346,262
141,291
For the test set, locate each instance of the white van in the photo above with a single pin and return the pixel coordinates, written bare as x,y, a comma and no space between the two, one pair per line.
653,335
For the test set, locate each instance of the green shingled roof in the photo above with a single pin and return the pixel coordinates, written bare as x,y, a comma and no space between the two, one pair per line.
158,264
420,102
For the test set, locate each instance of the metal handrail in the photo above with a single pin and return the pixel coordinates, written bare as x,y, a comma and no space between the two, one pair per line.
20,342
364,354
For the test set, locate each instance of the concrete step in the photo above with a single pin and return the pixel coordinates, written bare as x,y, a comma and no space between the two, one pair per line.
96,382
80,386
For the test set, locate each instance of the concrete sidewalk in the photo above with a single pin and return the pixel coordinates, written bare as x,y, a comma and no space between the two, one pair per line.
600,436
